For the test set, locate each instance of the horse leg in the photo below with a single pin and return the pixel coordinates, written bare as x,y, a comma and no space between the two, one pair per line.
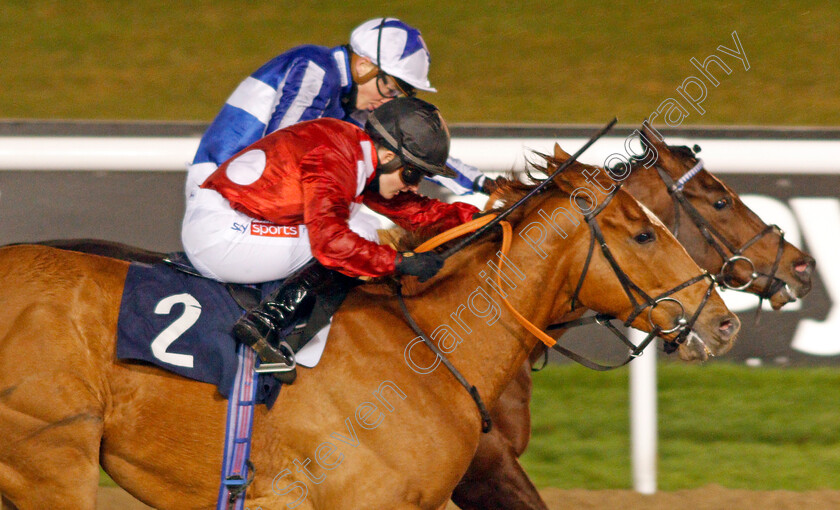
5,504
52,465
512,413
50,417
496,480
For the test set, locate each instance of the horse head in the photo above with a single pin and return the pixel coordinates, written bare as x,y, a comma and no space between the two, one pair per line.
634,268
722,234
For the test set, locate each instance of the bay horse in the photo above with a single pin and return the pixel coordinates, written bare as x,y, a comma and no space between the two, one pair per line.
385,429
495,480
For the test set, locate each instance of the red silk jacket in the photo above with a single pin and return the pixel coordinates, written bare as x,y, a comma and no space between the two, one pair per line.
315,173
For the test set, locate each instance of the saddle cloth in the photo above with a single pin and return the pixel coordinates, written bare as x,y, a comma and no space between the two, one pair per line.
182,324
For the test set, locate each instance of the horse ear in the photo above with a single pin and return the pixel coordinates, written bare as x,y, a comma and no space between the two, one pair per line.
559,154
651,138
655,147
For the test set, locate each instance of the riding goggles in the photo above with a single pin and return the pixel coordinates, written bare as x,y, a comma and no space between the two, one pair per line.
391,87
411,176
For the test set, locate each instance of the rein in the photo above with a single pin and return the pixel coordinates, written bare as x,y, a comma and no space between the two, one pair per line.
478,228
480,224
444,237
551,342
720,244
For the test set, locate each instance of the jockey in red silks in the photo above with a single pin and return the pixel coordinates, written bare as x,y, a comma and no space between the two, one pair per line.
284,207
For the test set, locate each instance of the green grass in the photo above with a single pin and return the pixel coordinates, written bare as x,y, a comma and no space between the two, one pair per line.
738,427
569,61
105,480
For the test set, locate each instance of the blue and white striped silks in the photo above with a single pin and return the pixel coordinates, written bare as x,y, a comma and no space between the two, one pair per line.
304,83
462,184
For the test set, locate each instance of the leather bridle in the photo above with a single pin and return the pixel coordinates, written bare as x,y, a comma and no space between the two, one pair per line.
631,289
719,242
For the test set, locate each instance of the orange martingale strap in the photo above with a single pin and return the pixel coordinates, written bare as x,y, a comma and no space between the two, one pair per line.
537,332
507,230
455,233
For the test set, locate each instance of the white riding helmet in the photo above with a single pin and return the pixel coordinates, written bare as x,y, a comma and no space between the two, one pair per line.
395,48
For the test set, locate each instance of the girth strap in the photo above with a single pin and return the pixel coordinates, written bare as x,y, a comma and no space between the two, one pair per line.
237,470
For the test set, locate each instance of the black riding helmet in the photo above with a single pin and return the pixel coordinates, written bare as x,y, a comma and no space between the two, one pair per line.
415,131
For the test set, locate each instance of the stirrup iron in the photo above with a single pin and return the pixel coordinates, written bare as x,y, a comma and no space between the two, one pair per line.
274,359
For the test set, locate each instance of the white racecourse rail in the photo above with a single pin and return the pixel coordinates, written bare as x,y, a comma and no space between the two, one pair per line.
491,154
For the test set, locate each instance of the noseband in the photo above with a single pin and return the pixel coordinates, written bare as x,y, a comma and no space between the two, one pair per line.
717,241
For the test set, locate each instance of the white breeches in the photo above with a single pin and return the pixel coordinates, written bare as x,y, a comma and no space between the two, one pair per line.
230,246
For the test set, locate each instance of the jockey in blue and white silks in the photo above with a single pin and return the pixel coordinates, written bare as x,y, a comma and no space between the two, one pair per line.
386,58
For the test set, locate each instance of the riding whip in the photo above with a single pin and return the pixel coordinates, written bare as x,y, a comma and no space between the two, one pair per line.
478,233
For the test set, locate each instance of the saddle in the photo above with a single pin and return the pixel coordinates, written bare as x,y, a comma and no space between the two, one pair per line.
249,297
175,319
246,296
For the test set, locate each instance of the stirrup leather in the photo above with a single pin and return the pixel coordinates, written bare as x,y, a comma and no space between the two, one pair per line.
254,327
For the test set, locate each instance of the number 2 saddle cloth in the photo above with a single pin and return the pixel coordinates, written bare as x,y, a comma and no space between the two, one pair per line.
182,323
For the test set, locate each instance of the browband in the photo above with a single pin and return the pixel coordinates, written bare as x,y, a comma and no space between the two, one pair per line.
689,175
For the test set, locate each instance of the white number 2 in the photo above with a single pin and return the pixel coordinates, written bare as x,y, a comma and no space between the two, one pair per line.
192,309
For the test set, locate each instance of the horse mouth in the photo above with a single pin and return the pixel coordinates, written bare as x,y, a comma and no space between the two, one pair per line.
699,346
784,295
787,288
695,349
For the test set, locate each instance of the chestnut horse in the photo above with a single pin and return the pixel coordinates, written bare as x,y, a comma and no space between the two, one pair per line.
495,479
385,429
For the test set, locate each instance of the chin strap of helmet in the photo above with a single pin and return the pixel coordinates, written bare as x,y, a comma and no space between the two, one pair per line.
391,166
384,168
396,146
361,80
373,73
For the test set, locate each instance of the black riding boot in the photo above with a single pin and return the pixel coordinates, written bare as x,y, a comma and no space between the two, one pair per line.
313,292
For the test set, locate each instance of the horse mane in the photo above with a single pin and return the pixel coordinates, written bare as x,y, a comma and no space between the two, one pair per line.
681,151
509,191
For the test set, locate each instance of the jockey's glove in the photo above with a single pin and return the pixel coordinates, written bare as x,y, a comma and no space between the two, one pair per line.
423,265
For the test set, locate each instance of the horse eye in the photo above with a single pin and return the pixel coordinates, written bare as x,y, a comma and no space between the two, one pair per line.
643,237
720,204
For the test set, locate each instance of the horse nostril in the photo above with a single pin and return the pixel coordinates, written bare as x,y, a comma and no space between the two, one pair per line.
804,267
727,328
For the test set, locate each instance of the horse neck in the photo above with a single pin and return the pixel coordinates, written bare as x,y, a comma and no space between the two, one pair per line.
491,344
